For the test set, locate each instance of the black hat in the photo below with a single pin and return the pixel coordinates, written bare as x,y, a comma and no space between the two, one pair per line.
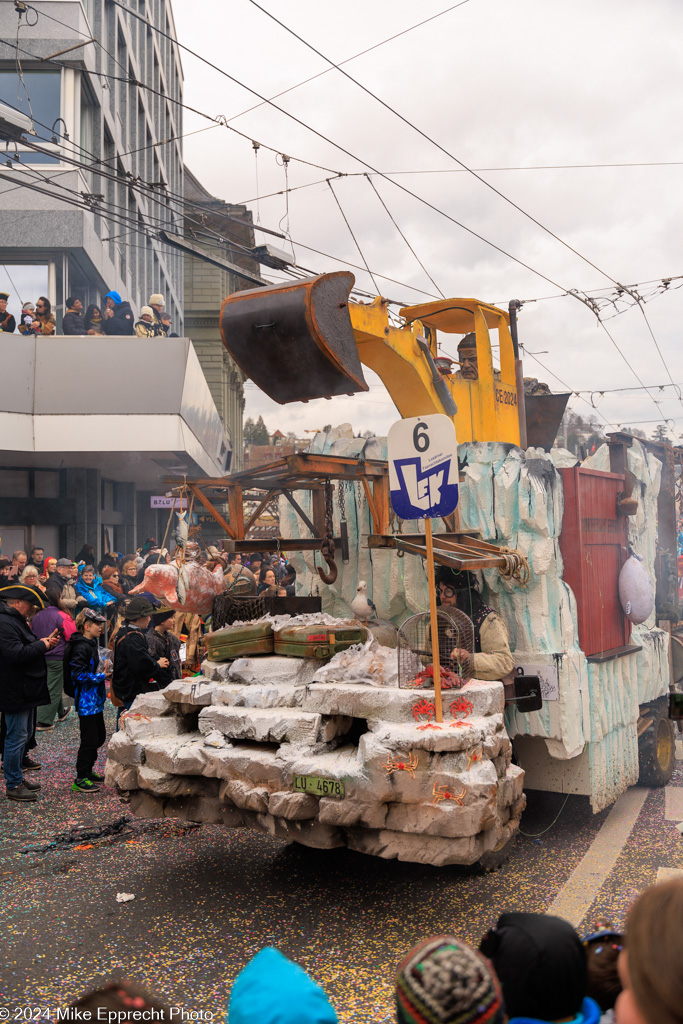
5,296
22,592
161,614
137,608
458,579
541,964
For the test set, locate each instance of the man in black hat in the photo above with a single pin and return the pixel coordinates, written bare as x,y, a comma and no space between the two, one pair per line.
8,324
492,658
135,670
23,672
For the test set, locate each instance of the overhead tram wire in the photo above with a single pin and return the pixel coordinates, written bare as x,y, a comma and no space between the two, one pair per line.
343,149
456,159
391,218
336,145
366,164
362,256
347,60
427,137
159,200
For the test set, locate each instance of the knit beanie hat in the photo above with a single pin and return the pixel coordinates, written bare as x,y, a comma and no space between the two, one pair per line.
108,571
444,981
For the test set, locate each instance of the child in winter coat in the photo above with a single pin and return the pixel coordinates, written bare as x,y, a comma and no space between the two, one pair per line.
87,686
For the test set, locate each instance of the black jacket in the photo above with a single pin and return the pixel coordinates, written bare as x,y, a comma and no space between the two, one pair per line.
23,669
72,323
122,322
135,671
165,645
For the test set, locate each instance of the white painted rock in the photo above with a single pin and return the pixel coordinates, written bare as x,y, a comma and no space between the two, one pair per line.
636,591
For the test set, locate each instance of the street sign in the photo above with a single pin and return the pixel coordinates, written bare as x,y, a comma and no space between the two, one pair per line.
423,467
161,501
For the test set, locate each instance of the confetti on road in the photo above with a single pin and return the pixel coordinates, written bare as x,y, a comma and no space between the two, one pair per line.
207,899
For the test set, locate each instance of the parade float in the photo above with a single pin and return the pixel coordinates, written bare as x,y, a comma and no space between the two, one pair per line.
328,749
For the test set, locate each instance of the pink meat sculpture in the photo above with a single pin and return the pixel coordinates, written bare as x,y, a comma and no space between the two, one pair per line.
191,588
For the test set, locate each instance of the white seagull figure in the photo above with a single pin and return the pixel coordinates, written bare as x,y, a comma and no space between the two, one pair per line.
361,606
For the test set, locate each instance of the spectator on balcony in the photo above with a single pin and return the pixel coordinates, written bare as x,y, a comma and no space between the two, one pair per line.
166,326
118,316
8,324
28,313
73,318
157,302
145,327
44,322
93,321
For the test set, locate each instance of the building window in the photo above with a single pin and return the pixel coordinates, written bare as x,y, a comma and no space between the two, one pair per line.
14,483
46,483
43,88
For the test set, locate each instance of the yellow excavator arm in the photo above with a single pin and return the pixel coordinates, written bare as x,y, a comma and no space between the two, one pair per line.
307,340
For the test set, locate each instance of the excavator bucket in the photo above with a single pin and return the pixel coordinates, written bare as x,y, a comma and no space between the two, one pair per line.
295,341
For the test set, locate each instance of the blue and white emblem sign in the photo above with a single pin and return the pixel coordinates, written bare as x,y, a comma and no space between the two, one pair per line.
423,467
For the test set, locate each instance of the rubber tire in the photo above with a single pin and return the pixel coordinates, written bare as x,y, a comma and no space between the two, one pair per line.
652,771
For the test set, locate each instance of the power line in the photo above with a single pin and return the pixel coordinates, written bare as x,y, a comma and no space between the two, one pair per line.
362,53
372,186
428,138
336,199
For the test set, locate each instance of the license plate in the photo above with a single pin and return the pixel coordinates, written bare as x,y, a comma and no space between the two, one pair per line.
319,787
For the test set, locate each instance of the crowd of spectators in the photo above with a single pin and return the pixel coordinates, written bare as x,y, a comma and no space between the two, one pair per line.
114,317
93,640
528,969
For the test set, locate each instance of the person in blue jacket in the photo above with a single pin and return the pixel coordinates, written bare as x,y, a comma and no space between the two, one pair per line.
90,587
118,315
542,968
87,686
273,990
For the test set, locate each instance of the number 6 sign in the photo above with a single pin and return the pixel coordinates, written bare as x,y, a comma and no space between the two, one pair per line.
423,467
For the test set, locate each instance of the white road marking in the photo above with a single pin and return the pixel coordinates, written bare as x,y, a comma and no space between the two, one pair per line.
673,803
664,874
679,748
579,891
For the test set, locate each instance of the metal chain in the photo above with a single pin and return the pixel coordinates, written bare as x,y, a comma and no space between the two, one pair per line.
341,484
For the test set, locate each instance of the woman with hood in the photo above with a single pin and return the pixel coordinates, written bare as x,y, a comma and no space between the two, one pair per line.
118,316
273,990
93,321
90,587
87,685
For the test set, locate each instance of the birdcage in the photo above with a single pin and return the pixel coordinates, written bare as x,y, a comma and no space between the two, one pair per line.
456,650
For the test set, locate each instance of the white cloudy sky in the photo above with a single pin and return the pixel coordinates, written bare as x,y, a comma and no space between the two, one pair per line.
497,84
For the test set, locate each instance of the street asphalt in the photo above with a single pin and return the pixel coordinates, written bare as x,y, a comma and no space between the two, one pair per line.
208,898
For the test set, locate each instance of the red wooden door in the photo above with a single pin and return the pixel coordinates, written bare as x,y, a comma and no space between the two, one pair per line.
593,545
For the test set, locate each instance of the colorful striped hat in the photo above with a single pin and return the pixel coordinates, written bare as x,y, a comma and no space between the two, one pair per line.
444,981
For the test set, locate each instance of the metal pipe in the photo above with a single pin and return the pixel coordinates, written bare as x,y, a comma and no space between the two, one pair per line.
513,306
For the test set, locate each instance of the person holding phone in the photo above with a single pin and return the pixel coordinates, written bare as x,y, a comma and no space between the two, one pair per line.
23,671
43,623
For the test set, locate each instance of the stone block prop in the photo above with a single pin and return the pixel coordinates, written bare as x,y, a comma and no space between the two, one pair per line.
227,747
